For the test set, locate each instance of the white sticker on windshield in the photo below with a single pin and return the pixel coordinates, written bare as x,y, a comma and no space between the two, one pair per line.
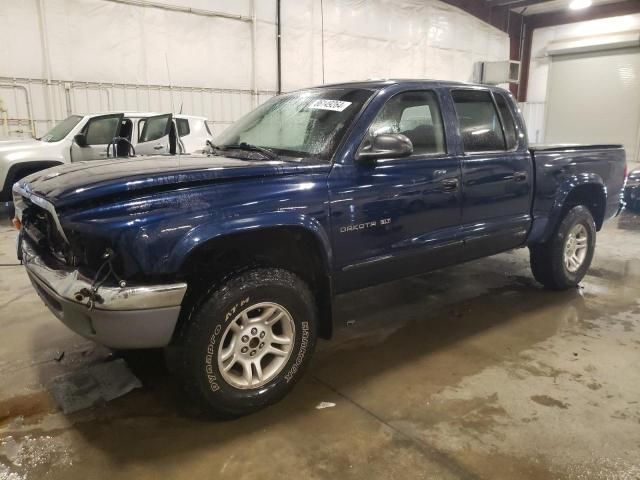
324,104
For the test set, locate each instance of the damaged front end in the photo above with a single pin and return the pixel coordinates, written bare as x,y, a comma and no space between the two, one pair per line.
81,287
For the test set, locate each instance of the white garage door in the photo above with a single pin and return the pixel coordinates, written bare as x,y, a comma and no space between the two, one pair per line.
595,98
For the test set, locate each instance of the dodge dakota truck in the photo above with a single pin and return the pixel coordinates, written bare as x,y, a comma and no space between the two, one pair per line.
91,137
231,260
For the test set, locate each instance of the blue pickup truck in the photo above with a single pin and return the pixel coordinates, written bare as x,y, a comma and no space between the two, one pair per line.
231,260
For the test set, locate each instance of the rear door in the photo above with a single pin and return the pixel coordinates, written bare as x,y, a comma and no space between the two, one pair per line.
99,133
154,137
497,175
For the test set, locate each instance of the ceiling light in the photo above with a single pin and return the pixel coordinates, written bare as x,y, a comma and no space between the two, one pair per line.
580,4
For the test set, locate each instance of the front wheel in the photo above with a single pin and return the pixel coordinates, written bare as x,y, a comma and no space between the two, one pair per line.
563,261
248,342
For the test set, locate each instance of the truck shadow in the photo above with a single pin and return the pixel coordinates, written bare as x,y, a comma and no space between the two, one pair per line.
420,334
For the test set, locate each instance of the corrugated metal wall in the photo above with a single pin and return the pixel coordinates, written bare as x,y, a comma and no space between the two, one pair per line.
218,57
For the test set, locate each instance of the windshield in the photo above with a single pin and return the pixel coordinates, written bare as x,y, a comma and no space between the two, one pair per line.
62,129
304,124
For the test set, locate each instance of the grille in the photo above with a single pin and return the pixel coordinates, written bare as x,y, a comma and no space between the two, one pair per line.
41,229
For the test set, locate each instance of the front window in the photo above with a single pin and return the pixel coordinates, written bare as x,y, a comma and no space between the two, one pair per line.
154,128
415,115
303,124
62,129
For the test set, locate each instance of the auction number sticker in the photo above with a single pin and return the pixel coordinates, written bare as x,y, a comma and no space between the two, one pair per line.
334,105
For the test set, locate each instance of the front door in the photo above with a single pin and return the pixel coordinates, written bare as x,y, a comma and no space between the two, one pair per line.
497,175
397,216
98,135
154,136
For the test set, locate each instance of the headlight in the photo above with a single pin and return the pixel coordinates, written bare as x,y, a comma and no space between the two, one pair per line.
18,202
633,182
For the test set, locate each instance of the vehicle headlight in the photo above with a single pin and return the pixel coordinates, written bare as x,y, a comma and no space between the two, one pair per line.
18,201
633,182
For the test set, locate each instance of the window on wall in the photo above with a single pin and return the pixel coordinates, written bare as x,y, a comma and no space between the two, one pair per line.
415,115
510,131
480,125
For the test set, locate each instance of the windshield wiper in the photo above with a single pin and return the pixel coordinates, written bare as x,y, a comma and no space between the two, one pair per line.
247,146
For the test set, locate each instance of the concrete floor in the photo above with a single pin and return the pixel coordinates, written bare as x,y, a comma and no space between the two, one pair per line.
470,372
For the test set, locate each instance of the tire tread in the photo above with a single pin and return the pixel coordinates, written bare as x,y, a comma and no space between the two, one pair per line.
186,364
546,259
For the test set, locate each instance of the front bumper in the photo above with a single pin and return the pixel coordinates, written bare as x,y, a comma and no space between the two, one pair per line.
128,317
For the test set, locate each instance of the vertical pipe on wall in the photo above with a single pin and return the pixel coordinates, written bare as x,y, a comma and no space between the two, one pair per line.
525,64
521,40
67,97
637,159
27,99
254,46
5,118
523,29
46,59
278,49
322,37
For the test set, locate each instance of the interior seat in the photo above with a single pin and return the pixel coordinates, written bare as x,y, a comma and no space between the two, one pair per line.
423,138
126,130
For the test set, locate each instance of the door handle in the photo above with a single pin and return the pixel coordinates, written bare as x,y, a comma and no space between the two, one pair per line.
158,147
450,184
103,154
520,176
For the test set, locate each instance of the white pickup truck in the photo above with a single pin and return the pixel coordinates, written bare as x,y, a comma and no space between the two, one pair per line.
99,136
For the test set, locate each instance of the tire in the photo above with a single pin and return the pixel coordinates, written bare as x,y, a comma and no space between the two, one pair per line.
548,261
213,330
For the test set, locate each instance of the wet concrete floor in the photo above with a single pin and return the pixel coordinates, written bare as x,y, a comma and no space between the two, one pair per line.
469,372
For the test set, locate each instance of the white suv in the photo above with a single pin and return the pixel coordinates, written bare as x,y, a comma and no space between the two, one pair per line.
99,136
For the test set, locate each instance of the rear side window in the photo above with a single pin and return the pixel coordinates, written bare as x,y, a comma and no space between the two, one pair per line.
479,121
507,120
183,126
416,115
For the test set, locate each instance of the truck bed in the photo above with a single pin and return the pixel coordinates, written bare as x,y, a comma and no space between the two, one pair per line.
558,168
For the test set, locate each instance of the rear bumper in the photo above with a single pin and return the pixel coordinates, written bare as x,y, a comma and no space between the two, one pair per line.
129,317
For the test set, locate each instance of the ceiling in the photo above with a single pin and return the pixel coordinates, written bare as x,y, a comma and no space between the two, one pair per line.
540,13
533,7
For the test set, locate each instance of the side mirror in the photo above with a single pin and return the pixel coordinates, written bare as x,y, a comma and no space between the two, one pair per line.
80,139
386,145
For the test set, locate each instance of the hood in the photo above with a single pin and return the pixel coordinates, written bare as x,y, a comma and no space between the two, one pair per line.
634,175
17,145
83,181
16,151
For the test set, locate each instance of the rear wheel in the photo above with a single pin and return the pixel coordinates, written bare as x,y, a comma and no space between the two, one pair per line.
563,261
248,342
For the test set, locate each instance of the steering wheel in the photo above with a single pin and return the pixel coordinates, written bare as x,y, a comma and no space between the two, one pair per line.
131,151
